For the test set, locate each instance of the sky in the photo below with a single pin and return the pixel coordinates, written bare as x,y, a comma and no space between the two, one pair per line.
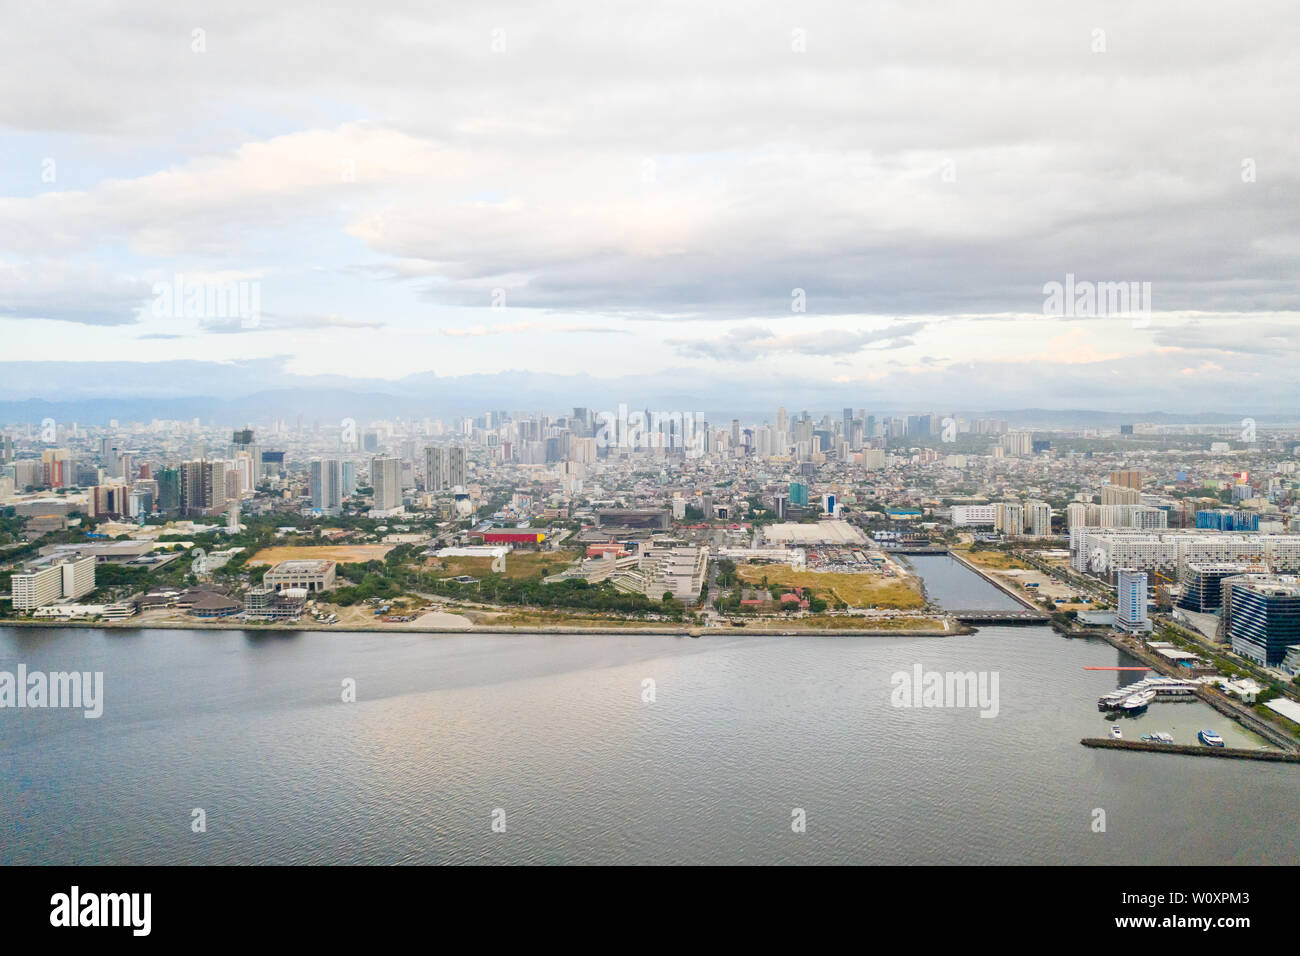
869,201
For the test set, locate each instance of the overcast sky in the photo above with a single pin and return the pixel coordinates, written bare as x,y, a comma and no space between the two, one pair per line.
656,189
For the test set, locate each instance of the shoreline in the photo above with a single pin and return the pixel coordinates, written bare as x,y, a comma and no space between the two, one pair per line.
960,629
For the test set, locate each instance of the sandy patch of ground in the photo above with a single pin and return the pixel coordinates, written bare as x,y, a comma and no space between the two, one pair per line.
342,553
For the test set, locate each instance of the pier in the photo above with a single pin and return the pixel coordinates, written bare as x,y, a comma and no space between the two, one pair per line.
1234,753
1209,695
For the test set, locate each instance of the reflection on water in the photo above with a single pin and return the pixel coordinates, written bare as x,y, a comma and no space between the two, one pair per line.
955,587
555,731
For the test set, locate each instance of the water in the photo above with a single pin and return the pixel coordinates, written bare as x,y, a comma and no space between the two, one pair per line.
955,587
554,731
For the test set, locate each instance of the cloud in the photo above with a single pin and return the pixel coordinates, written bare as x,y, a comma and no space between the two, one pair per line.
478,331
752,342
269,322
67,291
927,163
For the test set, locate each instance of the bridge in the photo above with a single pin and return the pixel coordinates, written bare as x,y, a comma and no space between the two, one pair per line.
912,548
1001,617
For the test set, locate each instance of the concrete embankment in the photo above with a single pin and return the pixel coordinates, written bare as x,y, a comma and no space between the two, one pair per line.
1273,756
485,629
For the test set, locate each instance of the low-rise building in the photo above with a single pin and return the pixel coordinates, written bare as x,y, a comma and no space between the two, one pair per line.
314,575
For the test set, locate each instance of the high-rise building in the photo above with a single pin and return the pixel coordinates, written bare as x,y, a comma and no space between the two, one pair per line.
437,467
1038,518
1018,444
326,485
1264,620
798,494
1120,495
456,466
1202,584
1009,518
169,489
1131,587
1128,479
1227,519
194,494
72,578
386,482
33,589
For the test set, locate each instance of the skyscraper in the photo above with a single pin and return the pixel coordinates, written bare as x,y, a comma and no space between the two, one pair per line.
326,484
436,468
386,480
169,489
1131,588
456,466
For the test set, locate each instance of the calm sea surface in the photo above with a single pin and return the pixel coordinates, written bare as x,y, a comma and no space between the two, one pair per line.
553,732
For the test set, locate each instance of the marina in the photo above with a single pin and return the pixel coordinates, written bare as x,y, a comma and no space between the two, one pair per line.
1144,692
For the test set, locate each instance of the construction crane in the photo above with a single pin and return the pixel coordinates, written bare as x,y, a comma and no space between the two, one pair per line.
1163,600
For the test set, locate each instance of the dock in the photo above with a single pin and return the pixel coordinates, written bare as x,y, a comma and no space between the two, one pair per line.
1232,753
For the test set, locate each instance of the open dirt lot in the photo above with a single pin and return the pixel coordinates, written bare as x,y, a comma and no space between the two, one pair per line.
342,553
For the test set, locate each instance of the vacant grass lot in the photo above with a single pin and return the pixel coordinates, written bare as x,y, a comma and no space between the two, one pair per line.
855,590
994,560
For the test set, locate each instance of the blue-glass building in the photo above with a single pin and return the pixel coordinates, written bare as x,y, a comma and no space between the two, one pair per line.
1227,519
1264,620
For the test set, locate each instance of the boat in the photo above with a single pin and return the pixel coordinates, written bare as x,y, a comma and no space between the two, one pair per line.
1210,738
1116,733
1163,688
1138,702
1163,738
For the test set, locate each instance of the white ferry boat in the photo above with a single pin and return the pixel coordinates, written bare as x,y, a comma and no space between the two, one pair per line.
1138,702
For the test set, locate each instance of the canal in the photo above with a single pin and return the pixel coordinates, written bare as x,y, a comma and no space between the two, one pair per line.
955,587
